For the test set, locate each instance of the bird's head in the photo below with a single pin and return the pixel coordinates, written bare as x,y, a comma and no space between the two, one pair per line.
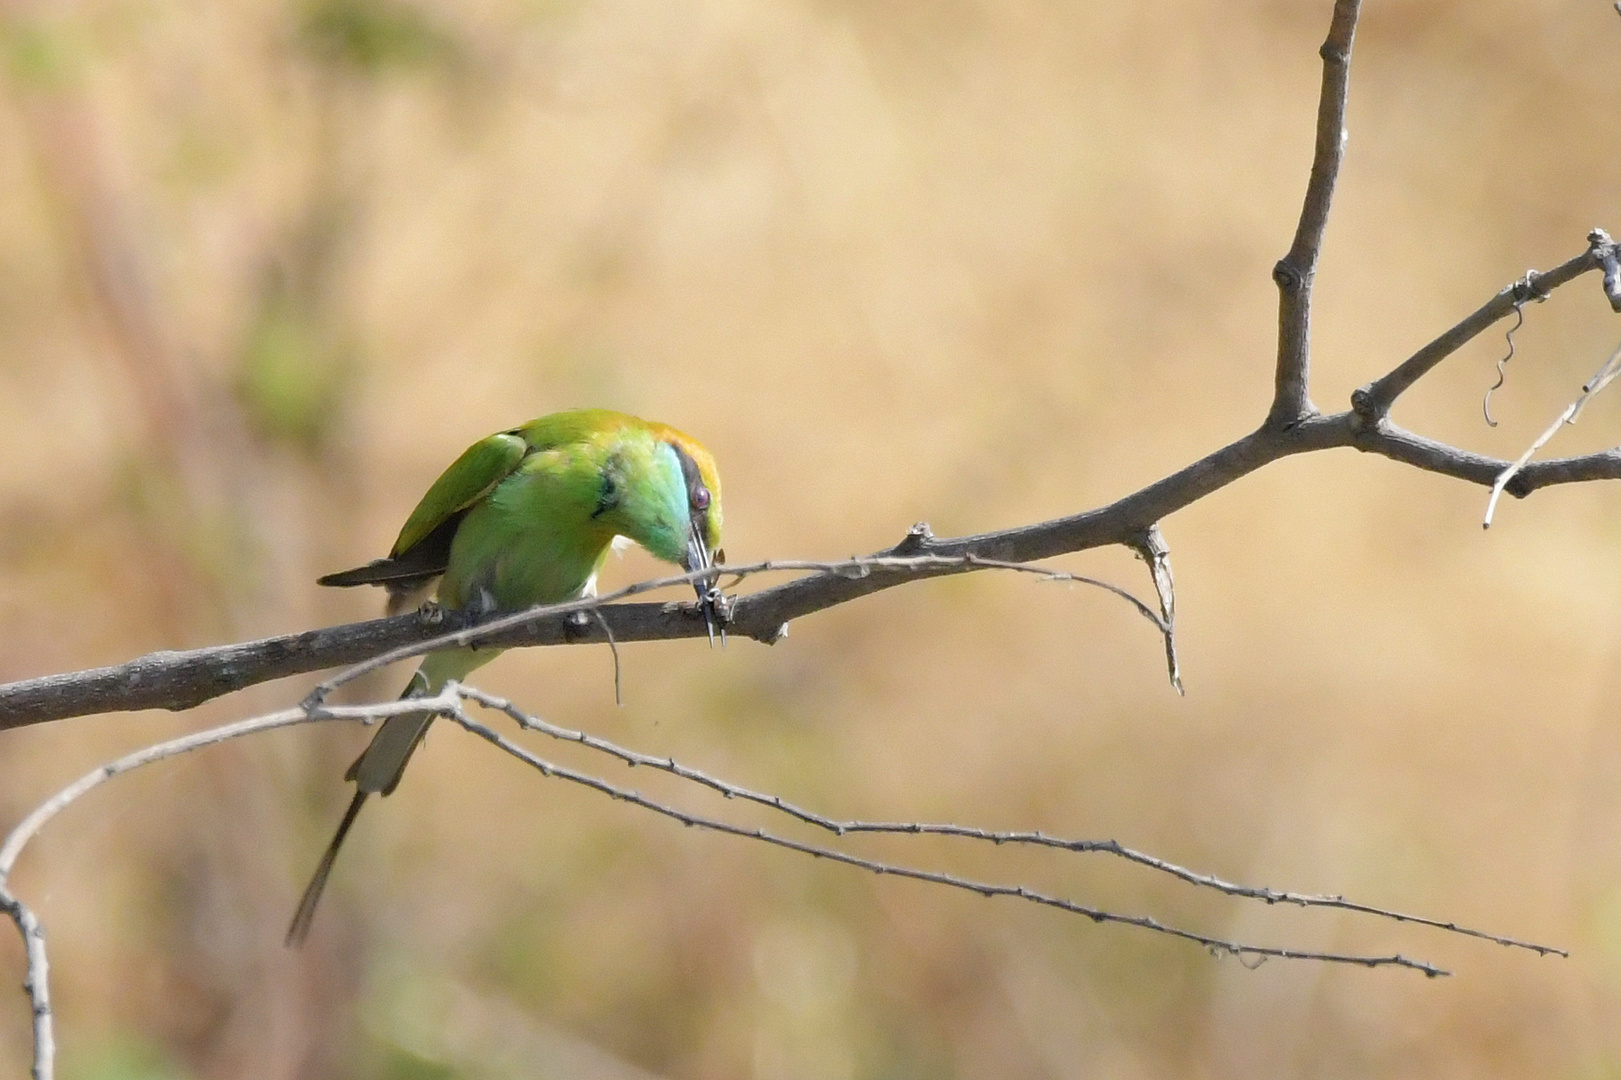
662,491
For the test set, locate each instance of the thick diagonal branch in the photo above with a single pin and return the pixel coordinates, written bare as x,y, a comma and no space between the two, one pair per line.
1374,400
181,680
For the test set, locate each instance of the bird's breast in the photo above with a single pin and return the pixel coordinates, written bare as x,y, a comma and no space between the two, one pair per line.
533,540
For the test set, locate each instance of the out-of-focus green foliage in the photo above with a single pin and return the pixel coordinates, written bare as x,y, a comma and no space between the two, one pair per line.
126,1059
374,35
39,55
292,383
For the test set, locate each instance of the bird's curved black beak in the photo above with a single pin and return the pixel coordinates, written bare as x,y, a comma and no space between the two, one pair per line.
699,557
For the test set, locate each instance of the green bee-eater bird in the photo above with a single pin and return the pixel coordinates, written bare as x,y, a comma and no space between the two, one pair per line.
527,517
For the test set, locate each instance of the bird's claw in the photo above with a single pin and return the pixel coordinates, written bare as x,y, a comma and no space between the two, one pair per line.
716,608
576,624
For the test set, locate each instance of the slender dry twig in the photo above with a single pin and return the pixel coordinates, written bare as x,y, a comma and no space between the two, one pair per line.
37,983
1153,550
448,703
1602,378
1219,946
911,828
613,647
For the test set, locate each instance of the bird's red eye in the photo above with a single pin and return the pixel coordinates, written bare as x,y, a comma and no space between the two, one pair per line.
700,498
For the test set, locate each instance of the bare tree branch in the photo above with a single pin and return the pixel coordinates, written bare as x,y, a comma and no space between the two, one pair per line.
1295,272
448,703
1242,950
1603,378
913,828
182,680
1373,401
37,982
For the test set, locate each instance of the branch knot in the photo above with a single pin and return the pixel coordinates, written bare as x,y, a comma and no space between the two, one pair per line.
1608,255
917,538
1366,408
1528,288
1286,276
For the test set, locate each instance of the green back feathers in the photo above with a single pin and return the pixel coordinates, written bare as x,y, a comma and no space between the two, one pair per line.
607,438
470,477
489,461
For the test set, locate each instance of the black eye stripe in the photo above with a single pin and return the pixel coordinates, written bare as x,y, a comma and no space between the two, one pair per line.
689,468
689,472
698,497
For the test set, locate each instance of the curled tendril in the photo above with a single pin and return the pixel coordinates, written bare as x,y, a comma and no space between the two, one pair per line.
1502,374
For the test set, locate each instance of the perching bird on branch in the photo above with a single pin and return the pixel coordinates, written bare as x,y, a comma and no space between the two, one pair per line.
527,517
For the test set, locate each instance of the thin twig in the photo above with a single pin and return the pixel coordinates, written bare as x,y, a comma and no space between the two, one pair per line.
1373,401
613,647
37,981
36,984
448,703
1152,549
839,827
30,825
986,889
1603,378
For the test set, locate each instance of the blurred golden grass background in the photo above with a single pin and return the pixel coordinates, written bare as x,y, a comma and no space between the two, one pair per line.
265,268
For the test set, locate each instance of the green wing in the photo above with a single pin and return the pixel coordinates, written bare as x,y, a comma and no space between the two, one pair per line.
421,552
489,461
423,548
470,477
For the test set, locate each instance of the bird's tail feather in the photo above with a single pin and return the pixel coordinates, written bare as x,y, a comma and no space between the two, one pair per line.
299,929
379,767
